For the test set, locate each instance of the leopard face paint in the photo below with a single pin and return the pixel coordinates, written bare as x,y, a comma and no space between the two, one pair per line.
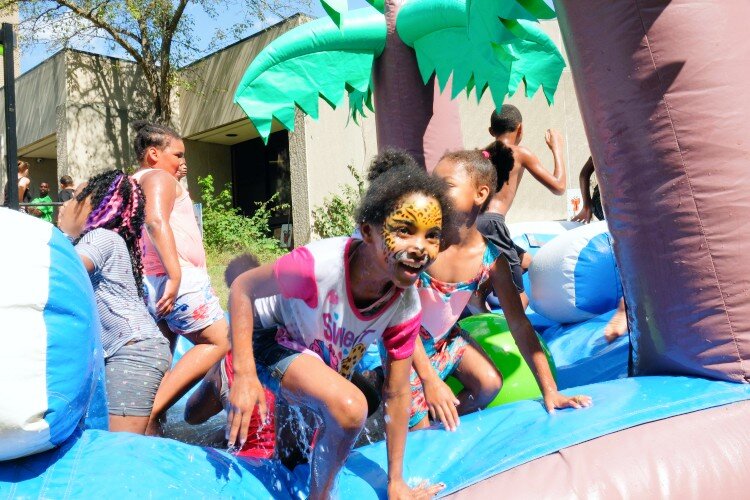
411,235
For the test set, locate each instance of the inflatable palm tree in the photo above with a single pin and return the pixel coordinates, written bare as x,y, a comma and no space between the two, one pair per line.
400,52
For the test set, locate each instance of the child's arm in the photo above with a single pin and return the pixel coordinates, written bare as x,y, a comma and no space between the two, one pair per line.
246,391
584,180
527,341
557,181
397,396
23,186
440,399
95,249
159,191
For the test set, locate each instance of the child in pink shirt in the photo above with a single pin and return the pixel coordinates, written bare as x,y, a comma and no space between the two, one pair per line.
321,305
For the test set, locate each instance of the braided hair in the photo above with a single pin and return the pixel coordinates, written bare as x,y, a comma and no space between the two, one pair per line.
150,134
117,204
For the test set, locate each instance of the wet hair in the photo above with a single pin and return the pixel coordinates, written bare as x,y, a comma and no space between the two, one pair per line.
117,204
149,134
239,265
23,166
389,158
506,120
502,158
393,175
478,166
66,180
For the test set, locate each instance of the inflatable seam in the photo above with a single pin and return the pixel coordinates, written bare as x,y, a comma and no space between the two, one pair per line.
668,112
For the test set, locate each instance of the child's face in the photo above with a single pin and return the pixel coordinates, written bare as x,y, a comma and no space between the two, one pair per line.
73,214
169,159
463,192
409,238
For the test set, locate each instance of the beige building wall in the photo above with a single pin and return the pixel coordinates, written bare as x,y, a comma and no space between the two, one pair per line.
204,158
40,95
332,144
104,95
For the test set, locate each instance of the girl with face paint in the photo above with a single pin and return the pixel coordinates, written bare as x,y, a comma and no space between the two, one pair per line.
465,263
300,325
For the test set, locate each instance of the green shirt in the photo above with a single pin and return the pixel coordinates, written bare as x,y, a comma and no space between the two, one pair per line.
46,211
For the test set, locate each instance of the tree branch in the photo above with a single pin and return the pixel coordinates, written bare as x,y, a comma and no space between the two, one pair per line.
115,34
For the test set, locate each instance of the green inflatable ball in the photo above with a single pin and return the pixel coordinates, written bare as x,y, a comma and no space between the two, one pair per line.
492,333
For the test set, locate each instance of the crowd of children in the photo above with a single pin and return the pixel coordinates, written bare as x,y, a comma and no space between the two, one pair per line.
427,246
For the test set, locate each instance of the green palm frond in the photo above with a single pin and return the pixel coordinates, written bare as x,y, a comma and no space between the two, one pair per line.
482,51
316,60
336,8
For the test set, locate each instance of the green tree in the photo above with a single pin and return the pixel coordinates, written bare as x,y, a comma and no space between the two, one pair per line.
226,230
159,35
335,217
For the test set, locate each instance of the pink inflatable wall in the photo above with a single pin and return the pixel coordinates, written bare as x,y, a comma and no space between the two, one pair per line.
662,87
409,114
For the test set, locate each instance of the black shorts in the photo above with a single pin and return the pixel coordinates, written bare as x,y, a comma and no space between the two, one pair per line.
492,226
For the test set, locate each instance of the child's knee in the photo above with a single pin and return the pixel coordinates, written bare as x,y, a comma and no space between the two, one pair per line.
490,384
349,412
493,383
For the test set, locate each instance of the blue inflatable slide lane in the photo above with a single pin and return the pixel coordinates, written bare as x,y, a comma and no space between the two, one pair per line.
96,462
583,356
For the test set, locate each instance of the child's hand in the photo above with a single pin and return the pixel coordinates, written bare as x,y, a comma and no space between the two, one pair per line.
554,139
583,216
441,403
245,393
556,400
399,489
166,301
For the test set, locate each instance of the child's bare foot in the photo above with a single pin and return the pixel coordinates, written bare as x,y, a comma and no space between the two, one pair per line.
618,325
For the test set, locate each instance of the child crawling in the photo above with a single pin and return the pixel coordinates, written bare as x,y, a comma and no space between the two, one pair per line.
327,301
104,218
467,260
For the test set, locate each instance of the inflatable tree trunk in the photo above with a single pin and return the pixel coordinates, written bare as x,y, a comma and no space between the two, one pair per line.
411,115
660,86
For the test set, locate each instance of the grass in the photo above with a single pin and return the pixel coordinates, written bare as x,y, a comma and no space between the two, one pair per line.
216,263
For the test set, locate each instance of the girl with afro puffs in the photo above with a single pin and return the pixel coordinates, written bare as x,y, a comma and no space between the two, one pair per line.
302,323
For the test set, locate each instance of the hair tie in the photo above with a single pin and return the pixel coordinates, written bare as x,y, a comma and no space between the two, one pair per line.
486,154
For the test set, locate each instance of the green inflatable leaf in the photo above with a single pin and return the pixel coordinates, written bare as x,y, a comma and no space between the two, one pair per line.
537,60
481,51
315,60
336,8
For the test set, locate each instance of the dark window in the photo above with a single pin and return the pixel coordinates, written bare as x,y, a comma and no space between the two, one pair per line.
259,171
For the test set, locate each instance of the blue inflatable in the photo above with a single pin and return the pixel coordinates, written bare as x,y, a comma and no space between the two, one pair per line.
51,359
93,462
583,356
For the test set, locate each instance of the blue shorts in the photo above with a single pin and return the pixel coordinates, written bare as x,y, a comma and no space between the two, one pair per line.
272,359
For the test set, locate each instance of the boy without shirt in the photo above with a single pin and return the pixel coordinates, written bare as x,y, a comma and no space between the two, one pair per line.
507,128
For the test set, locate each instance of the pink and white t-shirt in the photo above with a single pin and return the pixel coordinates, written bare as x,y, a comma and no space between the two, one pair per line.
315,312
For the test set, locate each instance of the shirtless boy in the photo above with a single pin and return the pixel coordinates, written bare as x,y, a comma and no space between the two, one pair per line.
507,128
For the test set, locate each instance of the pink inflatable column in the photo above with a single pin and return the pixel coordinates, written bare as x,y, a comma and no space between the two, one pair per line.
409,115
662,86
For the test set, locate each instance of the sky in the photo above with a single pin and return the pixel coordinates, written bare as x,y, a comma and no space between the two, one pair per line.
32,56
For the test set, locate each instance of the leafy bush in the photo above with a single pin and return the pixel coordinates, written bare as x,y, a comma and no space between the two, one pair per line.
336,216
226,230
